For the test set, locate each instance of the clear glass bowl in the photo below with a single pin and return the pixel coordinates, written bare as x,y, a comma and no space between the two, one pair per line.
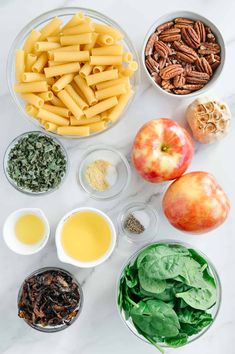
5,163
65,14
147,216
214,310
53,329
121,166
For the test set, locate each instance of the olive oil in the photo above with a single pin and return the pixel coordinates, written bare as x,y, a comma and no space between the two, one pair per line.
86,236
29,229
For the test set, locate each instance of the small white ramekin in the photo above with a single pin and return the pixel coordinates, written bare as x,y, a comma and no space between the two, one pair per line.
63,257
10,237
194,16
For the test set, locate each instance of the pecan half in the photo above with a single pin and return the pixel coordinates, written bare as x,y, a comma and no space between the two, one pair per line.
190,37
165,26
167,85
197,77
162,63
171,71
192,87
170,35
152,65
179,81
182,91
209,48
203,66
183,20
188,58
150,44
200,30
179,45
162,49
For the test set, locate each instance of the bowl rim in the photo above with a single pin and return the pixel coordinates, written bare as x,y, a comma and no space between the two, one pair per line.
60,12
23,211
80,305
212,268
63,257
185,13
123,159
14,142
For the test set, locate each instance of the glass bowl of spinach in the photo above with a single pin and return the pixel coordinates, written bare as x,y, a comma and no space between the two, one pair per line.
168,294
35,163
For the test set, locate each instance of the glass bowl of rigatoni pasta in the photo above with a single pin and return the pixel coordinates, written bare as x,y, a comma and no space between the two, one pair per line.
73,72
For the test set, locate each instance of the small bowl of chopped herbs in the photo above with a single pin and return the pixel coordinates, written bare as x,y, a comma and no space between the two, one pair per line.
35,163
168,294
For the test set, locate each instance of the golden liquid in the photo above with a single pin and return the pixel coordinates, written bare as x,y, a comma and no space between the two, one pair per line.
29,229
86,236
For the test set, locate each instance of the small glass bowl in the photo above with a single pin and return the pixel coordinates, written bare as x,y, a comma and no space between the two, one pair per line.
117,160
65,13
194,16
150,222
214,310
5,163
53,329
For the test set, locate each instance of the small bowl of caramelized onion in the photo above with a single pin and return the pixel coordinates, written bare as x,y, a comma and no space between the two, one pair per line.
50,299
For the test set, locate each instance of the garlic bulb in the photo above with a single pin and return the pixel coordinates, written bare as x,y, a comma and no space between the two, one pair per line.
209,119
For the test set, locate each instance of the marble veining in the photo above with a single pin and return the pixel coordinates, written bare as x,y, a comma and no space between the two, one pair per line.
99,330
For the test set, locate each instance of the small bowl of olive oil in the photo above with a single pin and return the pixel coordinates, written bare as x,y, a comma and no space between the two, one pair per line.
26,231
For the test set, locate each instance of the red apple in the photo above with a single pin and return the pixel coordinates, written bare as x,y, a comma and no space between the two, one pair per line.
196,203
162,150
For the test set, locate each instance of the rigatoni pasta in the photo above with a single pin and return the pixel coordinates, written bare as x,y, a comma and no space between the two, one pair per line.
33,37
48,116
30,60
40,63
62,82
100,77
75,96
74,130
74,77
70,104
36,86
33,99
29,77
19,64
61,111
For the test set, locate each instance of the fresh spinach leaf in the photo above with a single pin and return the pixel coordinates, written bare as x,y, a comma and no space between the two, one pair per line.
154,317
152,285
177,341
193,321
201,299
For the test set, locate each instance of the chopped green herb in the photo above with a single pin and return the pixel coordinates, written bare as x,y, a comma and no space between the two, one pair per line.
36,163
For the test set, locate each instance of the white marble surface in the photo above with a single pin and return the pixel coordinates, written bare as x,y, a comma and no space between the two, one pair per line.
99,330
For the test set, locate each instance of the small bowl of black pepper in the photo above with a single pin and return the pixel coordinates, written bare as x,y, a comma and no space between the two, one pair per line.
138,222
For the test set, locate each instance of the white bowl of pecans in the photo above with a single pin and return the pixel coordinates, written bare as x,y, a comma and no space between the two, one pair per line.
183,54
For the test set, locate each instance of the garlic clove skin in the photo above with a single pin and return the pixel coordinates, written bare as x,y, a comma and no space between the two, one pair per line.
209,119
